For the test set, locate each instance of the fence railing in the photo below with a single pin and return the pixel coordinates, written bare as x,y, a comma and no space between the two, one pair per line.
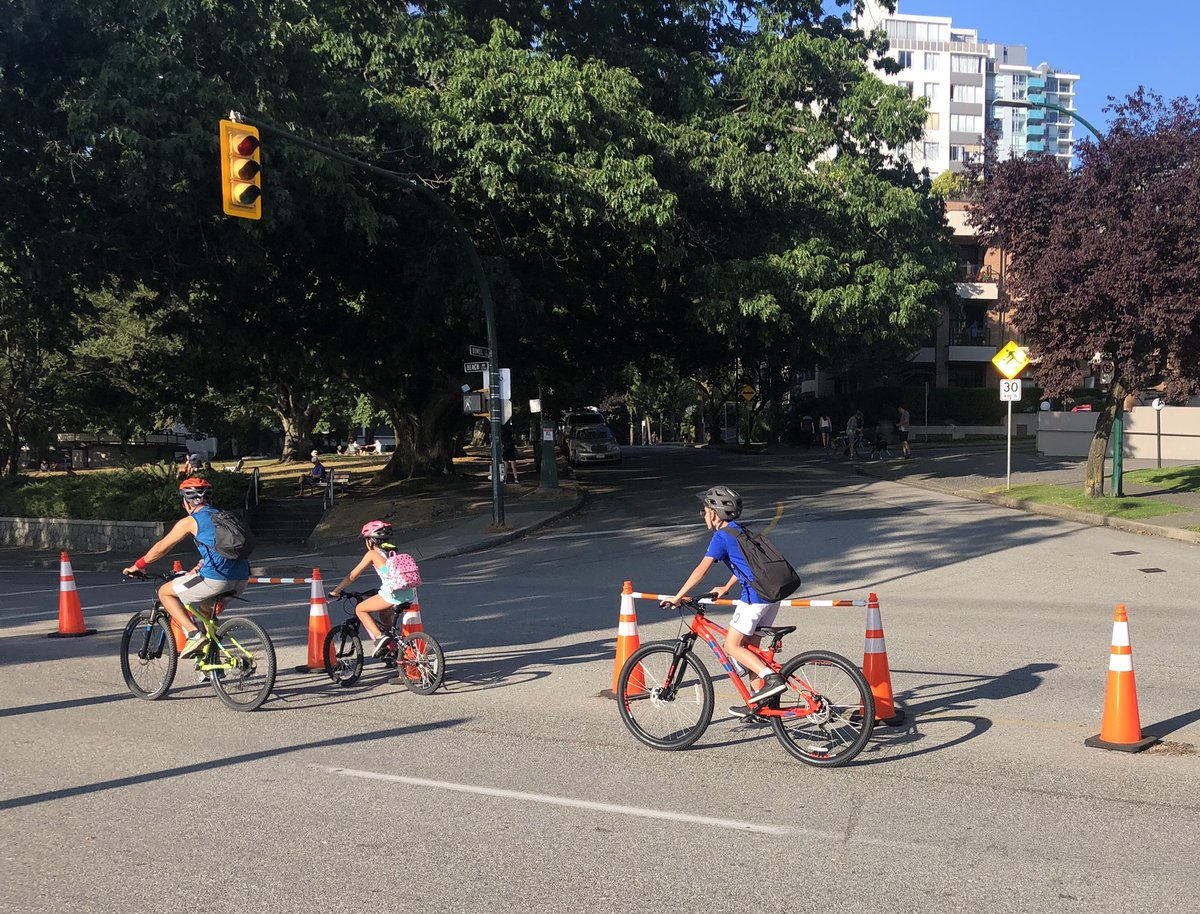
252,490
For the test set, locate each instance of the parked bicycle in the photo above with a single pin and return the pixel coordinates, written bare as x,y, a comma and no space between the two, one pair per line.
418,657
238,658
665,695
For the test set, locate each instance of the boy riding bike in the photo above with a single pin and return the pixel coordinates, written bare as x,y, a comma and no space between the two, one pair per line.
720,506
375,535
215,574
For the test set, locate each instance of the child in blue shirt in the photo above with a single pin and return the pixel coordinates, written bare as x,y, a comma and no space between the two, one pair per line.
720,506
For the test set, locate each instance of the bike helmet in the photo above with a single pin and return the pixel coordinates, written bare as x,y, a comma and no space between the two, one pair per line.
722,499
377,531
195,489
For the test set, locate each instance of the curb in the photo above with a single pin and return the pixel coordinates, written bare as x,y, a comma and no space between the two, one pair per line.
264,570
1059,512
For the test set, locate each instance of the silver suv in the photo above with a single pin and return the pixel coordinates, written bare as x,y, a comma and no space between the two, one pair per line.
575,418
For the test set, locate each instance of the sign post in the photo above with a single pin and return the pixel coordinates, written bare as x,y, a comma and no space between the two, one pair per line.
1010,361
1158,408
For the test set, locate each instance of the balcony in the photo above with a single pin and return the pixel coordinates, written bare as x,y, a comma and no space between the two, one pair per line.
970,341
978,283
1035,130
1037,82
1035,146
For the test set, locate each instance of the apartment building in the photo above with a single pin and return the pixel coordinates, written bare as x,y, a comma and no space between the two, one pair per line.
961,77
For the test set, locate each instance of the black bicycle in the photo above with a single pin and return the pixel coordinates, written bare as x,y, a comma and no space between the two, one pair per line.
418,658
238,657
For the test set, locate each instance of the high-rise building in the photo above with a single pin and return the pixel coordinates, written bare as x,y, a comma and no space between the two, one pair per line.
961,77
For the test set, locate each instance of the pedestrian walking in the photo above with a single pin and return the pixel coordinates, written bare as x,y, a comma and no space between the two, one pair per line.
826,426
902,431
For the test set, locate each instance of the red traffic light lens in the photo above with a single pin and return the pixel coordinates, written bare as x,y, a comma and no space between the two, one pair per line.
246,146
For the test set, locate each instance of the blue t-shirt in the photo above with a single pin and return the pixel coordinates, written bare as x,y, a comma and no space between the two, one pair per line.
213,564
724,547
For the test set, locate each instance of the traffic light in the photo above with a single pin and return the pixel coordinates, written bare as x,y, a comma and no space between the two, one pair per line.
241,170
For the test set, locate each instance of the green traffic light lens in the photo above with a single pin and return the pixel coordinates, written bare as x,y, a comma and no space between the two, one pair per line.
247,195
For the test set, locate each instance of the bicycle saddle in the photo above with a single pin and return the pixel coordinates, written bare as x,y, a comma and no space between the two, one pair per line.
775,631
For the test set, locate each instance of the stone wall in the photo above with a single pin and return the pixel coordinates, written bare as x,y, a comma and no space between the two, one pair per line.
83,535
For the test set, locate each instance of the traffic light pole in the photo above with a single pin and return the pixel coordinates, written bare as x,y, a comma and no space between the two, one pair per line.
468,246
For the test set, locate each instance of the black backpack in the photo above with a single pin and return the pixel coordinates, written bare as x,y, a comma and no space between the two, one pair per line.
232,538
773,576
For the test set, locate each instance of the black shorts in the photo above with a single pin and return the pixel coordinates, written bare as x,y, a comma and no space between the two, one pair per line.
903,434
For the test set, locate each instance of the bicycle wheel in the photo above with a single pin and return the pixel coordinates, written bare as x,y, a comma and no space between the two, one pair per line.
148,656
420,663
248,650
343,655
829,706
665,703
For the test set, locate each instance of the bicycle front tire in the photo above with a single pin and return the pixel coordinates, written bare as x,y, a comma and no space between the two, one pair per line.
665,703
343,655
832,709
247,647
420,663
148,655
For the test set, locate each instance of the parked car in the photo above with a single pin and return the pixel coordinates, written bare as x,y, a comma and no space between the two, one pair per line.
592,444
575,418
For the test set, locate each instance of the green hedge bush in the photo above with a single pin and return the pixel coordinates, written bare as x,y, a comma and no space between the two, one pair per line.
145,493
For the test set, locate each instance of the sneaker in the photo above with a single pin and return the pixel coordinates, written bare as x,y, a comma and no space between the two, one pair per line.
381,644
195,641
773,684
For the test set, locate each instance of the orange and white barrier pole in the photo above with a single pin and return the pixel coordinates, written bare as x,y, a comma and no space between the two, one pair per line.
70,612
1120,727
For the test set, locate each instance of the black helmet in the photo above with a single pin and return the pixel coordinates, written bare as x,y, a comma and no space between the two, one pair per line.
722,499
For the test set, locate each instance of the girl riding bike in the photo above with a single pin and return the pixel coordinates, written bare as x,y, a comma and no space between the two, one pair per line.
375,535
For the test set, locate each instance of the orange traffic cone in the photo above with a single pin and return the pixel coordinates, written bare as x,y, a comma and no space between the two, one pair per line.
627,642
176,628
410,621
70,613
1120,727
875,667
318,627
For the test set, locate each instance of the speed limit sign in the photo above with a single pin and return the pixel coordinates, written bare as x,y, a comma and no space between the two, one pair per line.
1010,390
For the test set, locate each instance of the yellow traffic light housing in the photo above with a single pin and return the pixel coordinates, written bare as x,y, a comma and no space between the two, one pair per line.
241,170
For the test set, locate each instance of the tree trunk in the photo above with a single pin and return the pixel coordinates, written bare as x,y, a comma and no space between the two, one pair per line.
425,437
1093,481
297,414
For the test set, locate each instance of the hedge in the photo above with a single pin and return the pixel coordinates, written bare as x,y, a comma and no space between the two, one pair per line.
145,493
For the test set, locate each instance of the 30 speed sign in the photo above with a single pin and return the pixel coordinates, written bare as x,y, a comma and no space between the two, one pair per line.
1010,390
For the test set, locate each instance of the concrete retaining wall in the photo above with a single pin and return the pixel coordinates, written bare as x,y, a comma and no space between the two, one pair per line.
1070,434
84,535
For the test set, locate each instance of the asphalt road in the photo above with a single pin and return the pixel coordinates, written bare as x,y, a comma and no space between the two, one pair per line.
517,789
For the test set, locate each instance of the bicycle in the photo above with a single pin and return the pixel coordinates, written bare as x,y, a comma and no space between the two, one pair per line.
665,695
420,658
238,658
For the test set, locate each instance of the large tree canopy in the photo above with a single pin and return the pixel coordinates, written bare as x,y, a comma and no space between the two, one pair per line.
648,184
1105,259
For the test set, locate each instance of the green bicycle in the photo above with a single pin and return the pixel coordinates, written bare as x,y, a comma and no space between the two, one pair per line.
238,660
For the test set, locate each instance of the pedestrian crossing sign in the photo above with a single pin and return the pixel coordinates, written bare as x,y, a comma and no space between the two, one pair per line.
1011,360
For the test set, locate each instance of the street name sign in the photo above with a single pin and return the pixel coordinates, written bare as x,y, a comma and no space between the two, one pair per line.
475,366
481,352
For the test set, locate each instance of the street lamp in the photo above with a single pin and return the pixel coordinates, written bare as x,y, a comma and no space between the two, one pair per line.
1118,422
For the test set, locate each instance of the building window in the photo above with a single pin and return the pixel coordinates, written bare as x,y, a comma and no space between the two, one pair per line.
906,86
933,121
1018,79
964,123
914,31
966,63
930,91
931,151
931,61
905,58
1019,93
966,93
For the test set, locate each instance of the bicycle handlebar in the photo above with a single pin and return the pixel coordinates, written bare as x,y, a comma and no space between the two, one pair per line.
153,575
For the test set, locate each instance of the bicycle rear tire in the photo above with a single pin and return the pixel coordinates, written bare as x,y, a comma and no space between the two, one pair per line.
247,645
843,707
664,714
420,663
343,655
148,655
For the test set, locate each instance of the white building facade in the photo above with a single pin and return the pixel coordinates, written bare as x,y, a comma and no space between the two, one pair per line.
961,77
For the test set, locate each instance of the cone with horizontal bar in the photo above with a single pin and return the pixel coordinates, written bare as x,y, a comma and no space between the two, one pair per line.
70,613
176,628
318,626
627,642
1120,727
876,670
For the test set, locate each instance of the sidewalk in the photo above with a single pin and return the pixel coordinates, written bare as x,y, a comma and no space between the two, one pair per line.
967,471
457,536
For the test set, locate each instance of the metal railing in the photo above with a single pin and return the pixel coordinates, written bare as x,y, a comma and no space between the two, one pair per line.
252,490
970,333
974,273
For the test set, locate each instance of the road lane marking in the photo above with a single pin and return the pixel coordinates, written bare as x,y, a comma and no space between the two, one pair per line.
637,811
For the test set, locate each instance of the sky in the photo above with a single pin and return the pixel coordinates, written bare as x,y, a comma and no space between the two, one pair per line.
1113,46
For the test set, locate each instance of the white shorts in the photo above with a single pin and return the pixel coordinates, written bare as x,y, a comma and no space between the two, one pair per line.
194,588
749,616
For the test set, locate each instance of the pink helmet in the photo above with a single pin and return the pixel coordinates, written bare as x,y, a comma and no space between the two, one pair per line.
376,530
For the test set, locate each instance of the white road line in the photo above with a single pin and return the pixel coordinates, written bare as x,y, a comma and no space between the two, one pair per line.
827,836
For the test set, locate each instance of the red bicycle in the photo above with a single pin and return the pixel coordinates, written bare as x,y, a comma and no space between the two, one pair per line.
665,694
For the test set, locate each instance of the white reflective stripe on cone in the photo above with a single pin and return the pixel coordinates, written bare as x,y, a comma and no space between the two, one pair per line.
67,584
1120,663
627,628
409,617
1120,634
318,609
875,646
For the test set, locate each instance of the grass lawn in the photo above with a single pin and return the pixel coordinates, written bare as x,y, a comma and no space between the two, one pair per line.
1179,479
1129,508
